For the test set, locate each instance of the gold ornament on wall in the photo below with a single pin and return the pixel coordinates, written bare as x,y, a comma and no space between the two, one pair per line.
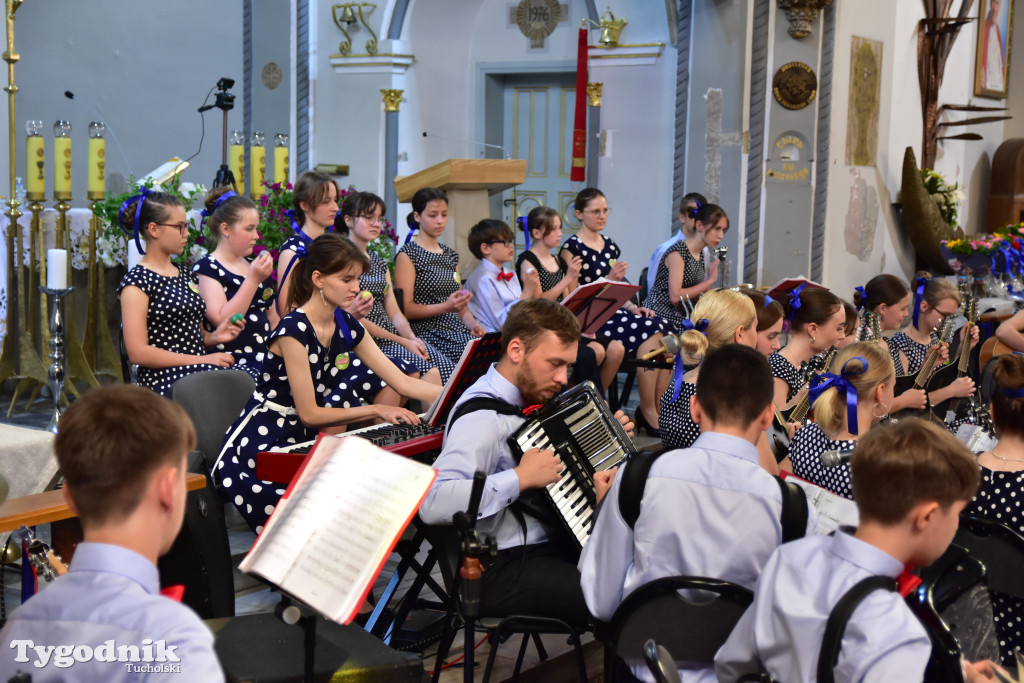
537,19
795,85
594,94
802,14
347,21
392,99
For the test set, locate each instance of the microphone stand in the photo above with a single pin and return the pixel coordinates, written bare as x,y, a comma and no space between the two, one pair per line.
473,548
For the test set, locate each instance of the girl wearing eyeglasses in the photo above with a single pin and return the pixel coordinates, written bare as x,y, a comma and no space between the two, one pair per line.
427,272
231,284
363,216
161,310
637,328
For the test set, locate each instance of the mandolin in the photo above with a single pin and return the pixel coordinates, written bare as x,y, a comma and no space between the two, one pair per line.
44,561
952,407
920,380
798,413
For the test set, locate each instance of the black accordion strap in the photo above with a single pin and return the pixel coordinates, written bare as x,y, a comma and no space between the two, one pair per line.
828,657
794,510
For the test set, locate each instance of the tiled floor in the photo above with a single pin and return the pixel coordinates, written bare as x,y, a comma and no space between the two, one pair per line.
252,597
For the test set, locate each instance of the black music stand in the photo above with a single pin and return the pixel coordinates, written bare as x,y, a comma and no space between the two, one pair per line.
593,304
477,357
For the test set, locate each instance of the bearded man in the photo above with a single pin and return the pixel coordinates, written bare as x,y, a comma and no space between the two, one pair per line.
535,570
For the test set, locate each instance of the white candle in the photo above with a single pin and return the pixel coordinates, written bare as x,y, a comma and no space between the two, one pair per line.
57,269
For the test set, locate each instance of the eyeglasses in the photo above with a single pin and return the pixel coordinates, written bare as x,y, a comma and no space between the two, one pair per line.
507,243
373,220
182,227
599,212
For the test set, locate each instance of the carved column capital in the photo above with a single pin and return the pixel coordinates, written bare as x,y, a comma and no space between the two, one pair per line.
802,15
392,99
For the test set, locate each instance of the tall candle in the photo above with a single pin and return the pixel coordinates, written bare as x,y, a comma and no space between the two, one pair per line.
281,165
236,162
257,170
57,269
97,167
62,160
35,167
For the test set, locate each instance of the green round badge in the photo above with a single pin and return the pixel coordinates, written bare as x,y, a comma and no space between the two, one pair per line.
341,362
194,286
458,278
268,294
387,288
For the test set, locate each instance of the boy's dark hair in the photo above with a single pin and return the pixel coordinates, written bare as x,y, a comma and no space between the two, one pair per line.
1007,411
488,230
312,188
156,208
229,211
897,467
881,289
358,204
529,320
328,254
690,203
110,443
735,385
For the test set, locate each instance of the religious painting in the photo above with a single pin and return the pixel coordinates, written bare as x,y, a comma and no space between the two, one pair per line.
865,95
992,63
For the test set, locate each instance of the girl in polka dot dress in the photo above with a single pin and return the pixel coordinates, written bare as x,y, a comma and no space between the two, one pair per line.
558,280
816,322
161,310
232,285
638,328
427,272
720,317
363,216
1000,497
682,274
300,391
865,372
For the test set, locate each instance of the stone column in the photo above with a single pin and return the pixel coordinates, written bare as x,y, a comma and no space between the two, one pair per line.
392,99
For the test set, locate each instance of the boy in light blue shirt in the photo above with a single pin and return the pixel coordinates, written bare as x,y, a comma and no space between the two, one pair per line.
494,289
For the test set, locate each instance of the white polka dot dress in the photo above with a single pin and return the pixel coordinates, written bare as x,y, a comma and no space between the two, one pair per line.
270,421
250,346
375,281
677,428
787,372
629,328
436,280
805,451
694,273
173,322
1000,498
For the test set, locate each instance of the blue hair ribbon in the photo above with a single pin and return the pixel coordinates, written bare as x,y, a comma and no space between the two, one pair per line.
768,301
1012,393
863,297
139,198
296,228
921,282
206,213
677,367
794,300
521,221
827,380
301,250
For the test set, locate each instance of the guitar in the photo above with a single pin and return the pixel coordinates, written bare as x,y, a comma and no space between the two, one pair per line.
990,349
44,561
951,408
920,380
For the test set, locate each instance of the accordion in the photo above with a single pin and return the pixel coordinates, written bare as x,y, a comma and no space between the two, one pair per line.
578,426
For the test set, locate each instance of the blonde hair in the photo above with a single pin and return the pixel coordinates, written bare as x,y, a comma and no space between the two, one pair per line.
724,311
830,406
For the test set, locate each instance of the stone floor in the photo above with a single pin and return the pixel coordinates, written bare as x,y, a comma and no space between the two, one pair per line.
252,597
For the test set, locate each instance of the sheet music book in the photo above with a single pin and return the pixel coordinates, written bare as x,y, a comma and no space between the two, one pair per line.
788,283
593,304
337,522
478,355
833,510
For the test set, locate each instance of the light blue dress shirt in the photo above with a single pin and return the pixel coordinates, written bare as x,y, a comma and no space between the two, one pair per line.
659,254
109,598
799,587
709,510
491,297
477,442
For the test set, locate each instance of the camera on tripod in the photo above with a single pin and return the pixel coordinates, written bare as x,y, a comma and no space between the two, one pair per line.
225,100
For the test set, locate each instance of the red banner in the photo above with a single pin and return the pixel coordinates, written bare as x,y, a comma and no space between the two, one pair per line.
579,129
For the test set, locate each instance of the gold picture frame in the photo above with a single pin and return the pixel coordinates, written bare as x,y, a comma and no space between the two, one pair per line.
995,27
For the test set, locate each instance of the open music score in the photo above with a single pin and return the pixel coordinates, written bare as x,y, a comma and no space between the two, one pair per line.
594,303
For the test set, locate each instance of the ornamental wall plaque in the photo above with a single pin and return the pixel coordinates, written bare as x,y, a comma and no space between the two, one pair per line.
795,85
538,18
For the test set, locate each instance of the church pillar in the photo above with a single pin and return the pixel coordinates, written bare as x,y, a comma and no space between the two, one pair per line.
392,100
594,126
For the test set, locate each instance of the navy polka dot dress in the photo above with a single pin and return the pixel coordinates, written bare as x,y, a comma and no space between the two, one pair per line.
805,451
677,428
629,328
1000,498
270,421
436,280
787,372
694,273
914,352
375,281
174,322
249,348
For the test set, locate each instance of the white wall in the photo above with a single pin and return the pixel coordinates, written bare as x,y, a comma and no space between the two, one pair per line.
900,126
451,40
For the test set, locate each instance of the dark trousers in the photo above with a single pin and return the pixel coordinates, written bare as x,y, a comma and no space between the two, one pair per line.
586,367
540,580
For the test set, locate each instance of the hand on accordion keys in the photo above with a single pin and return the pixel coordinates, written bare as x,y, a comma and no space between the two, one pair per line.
538,468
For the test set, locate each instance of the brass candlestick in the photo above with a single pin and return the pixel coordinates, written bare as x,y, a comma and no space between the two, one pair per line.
77,363
38,237
56,372
99,346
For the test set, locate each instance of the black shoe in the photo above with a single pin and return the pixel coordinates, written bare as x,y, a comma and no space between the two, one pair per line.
640,422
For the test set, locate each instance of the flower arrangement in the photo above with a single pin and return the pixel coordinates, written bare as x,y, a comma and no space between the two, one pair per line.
946,197
997,252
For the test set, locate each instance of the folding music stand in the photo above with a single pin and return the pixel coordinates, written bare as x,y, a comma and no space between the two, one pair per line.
593,304
476,358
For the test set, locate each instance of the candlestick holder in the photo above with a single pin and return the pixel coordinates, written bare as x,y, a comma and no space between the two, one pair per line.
99,345
56,373
38,238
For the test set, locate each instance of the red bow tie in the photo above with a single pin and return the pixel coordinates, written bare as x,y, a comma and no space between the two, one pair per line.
175,593
908,582
505,277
